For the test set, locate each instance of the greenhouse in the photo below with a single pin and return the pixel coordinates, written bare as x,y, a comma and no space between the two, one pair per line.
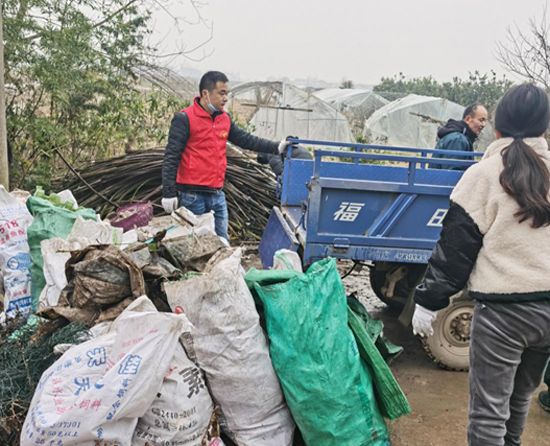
282,110
413,121
349,100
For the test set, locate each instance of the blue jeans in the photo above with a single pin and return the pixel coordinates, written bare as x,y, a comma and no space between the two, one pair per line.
203,202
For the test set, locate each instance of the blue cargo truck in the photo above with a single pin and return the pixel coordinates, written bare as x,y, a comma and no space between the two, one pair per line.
378,206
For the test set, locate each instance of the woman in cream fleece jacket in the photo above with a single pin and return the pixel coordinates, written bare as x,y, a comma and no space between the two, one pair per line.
495,242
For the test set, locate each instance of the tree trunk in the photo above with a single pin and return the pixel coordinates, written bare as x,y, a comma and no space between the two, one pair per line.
4,165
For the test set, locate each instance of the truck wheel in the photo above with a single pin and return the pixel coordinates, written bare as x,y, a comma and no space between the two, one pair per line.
450,344
378,281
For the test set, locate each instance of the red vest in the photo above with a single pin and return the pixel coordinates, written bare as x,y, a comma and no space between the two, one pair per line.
204,162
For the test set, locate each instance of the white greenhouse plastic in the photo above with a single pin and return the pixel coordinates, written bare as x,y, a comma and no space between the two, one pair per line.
413,122
349,100
285,110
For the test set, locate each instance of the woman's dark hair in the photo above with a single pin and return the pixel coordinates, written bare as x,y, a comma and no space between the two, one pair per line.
523,112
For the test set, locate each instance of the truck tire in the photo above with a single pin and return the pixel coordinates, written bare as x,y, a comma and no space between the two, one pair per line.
403,287
449,347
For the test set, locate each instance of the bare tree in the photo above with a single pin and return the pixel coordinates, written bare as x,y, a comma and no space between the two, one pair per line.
527,52
180,26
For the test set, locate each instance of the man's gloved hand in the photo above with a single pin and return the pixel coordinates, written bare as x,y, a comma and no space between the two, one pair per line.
170,204
282,146
422,321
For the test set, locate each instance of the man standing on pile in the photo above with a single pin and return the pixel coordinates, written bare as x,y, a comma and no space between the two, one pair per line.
195,158
461,135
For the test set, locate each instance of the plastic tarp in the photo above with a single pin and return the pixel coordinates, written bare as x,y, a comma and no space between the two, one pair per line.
375,350
102,282
181,223
299,113
286,259
392,401
351,100
57,251
374,330
263,91
97,232
399,124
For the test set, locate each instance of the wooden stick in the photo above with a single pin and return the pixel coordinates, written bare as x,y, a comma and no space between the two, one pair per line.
83,180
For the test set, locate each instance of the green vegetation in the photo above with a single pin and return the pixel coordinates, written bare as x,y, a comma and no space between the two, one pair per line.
485,89
72,71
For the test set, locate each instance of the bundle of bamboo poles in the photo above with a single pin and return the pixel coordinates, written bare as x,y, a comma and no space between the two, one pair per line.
106,185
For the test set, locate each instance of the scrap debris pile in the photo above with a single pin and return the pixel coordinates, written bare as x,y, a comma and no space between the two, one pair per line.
249,188
24,358
142,330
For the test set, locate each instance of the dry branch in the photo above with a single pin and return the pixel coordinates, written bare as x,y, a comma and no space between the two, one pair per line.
249,188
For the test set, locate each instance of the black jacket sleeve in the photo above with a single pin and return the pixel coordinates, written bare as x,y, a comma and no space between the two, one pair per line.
263,158
452,260
277,164
177,140
300,153
247,141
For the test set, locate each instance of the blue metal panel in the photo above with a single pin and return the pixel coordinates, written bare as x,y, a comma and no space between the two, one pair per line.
293,213
298,173
360,147
392,216
387,186
277,235
314,252
412,160
423,219
376,228
405,222
296,176
332,204
367,211
331,239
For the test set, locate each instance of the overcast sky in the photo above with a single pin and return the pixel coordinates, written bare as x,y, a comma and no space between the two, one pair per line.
361,40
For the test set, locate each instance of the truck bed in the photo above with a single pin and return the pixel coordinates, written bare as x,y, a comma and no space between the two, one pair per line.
362,206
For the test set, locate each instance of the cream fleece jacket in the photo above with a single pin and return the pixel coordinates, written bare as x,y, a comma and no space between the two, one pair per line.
514,257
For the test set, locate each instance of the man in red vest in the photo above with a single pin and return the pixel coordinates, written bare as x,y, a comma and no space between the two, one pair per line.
194,161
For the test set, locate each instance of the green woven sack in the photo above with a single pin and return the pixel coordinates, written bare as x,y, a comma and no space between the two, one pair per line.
326,384
392,401
374,328
49,221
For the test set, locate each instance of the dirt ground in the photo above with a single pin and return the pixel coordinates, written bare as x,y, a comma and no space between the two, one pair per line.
439,399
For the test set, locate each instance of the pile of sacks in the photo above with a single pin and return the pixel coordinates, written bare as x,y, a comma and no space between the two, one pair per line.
131,384
185,349
137,380
62,261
